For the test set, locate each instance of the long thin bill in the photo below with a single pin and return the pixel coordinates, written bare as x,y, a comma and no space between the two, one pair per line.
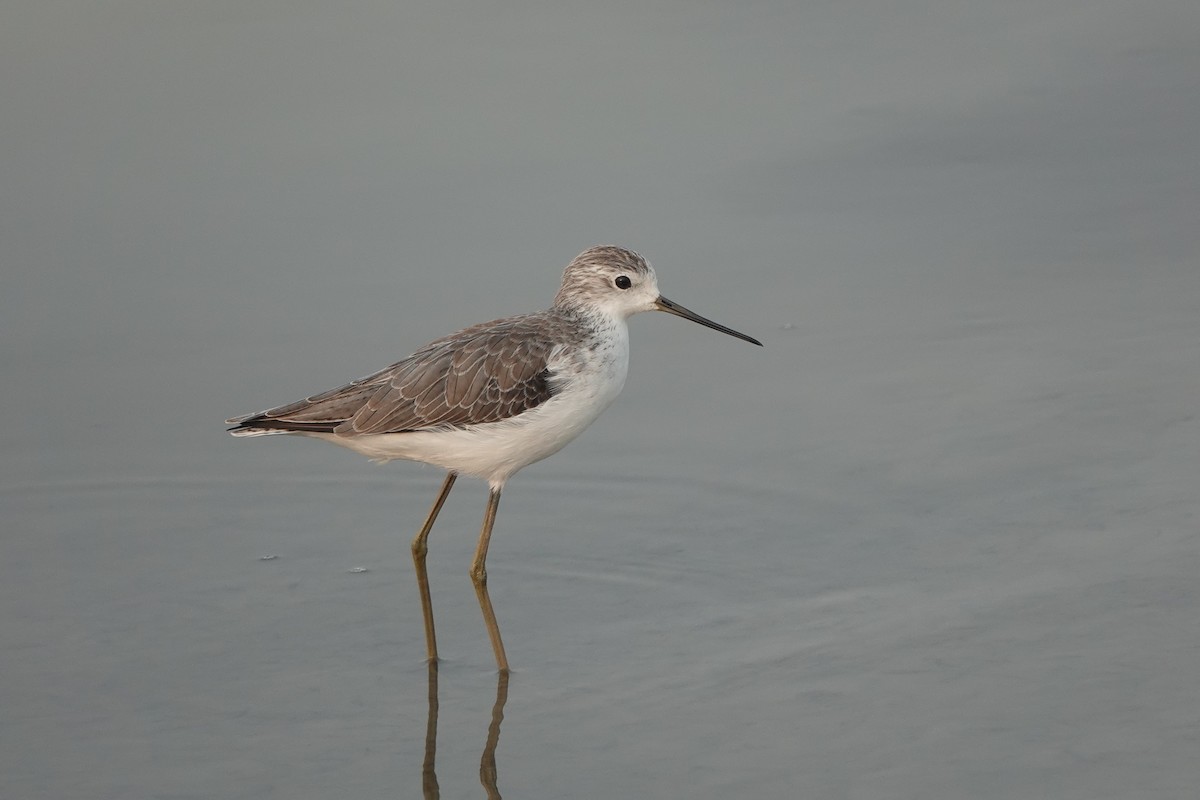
663,304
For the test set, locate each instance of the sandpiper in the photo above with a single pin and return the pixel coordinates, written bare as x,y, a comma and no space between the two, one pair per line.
493,398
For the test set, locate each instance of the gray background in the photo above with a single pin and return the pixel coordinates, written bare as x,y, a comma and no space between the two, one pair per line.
938,539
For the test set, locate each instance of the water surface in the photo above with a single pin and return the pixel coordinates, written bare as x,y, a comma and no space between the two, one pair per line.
938,539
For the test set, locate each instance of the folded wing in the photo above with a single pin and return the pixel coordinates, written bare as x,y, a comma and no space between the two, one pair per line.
486,373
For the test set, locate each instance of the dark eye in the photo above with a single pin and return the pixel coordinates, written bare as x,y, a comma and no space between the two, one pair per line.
623,282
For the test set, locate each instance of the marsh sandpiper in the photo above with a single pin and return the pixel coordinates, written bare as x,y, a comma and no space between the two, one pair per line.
493,398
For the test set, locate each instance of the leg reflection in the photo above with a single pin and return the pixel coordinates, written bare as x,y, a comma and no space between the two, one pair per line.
487,763
429,781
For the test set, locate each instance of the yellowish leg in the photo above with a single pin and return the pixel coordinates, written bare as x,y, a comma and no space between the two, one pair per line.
419,549
479,577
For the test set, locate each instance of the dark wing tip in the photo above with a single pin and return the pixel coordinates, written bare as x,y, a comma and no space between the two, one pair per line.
262,422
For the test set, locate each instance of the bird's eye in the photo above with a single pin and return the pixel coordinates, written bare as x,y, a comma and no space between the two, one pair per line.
623,282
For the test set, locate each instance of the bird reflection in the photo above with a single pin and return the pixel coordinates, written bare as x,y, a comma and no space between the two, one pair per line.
487,762
429,782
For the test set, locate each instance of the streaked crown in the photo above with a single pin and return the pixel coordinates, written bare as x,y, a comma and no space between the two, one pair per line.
595,279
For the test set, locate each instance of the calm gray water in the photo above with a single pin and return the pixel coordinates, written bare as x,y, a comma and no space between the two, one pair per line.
938,539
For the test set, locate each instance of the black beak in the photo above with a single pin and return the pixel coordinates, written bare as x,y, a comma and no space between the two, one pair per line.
663,304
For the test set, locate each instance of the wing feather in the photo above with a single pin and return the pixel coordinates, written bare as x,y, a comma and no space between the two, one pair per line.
482,374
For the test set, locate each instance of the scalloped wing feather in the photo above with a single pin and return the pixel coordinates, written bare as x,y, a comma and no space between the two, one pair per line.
485,373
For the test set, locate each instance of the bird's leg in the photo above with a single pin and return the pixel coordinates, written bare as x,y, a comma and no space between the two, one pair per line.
419,549
479,577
